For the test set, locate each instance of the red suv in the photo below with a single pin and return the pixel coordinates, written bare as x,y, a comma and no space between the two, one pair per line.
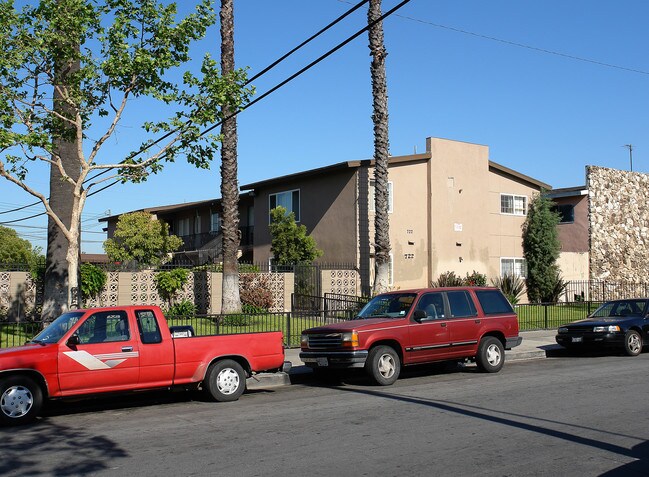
414,327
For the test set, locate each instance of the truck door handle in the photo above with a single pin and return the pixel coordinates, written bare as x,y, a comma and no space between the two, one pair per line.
127,348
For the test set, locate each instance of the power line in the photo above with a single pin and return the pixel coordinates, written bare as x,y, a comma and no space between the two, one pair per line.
267,93
261,73
520,45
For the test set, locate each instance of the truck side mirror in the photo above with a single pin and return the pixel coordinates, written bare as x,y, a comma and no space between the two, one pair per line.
74,340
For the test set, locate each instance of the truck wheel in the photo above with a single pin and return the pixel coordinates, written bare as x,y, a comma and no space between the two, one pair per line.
491,355
383,365
632,343
225,381
20,400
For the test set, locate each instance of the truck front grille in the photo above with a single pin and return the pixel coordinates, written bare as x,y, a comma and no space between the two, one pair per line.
328,340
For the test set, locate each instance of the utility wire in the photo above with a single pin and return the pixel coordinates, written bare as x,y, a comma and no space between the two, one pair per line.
520,45
267,93
261,73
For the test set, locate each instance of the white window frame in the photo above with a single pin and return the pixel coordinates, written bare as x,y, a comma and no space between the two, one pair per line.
518,266
183,227
215,227
518,212
390,196
299,203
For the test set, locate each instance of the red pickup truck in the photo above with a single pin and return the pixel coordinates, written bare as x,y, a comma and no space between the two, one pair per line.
414,327
104,350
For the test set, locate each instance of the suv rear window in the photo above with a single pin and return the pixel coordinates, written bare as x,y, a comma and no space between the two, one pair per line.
493,302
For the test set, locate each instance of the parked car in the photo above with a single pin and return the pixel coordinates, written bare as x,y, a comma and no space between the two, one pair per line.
414,327
618,324
130,348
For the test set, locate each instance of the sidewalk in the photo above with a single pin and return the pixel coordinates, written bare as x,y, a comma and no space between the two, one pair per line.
535,345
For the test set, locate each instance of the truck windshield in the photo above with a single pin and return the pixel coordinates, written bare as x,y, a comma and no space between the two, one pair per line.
391,305
55,331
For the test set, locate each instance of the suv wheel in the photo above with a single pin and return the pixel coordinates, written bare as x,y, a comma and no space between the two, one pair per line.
491,355
383,365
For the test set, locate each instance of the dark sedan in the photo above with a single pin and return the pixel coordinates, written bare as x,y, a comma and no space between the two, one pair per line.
621,324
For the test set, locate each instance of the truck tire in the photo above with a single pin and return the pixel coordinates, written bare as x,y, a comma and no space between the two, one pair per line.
21,400
225,381
383,365
491,355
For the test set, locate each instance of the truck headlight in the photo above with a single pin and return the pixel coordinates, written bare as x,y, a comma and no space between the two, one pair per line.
350,339
606,329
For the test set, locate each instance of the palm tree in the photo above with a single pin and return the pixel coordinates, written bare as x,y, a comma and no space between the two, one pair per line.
230,302
381,148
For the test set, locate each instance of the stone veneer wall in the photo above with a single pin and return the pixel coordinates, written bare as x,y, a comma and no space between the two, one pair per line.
618,212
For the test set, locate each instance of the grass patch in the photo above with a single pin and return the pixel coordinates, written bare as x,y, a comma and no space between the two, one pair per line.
538,317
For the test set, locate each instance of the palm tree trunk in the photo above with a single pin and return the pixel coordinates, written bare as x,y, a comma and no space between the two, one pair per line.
230,301
381,150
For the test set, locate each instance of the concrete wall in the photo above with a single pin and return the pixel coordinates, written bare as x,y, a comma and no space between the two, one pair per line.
619,224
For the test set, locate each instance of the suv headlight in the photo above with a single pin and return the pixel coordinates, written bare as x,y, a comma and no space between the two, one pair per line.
350,339
606,329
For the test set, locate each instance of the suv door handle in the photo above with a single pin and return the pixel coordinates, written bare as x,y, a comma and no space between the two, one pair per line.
127,348
443,325
477,321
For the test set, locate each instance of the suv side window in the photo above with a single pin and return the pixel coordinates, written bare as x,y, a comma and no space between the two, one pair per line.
493,302
149,330
461,304
432,304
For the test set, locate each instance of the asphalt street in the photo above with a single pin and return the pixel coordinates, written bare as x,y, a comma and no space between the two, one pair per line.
571,415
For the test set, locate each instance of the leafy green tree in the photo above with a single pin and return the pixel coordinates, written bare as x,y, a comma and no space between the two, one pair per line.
71,66
541,248
13,249
140,238
290,243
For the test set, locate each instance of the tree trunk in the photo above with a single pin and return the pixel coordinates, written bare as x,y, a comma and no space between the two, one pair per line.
381,150
231,302
58,291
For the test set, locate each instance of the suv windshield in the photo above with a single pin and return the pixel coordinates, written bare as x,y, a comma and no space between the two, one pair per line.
392,305
58,328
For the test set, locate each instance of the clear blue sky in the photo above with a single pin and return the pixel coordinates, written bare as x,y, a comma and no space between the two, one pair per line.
504,73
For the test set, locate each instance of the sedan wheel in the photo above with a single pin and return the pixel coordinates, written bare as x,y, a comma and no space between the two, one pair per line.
632,343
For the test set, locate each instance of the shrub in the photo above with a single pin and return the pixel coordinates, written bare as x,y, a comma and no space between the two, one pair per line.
512,287
183,309
448,279
168,283
254,291
476,279
218,268
558,289
93,280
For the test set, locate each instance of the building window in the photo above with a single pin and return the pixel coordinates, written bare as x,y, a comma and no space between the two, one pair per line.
290,200
513,204
215,222
390,195
513,266
566,213
182,227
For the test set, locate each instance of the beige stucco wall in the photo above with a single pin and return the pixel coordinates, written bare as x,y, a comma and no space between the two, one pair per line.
574,265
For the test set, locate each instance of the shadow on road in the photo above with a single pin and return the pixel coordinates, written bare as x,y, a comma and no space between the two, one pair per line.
640,452
23,447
